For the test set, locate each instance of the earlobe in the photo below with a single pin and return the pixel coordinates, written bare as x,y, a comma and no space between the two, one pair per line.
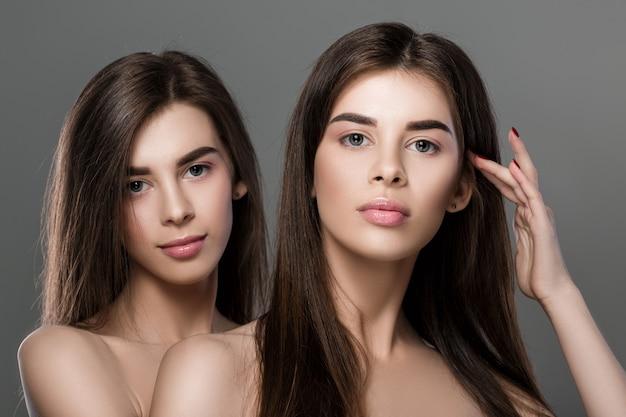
239,190
463,195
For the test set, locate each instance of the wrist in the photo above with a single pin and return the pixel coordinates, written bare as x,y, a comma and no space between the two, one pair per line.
566,294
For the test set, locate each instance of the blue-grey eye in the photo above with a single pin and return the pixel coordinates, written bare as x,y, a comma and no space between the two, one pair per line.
424,145
135,186
197,170
354,140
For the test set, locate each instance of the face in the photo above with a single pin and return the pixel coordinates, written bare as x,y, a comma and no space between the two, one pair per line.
386,169
178,204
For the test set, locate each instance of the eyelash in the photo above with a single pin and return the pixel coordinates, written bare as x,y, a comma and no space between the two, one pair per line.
433,145
205,169
129,185
345,141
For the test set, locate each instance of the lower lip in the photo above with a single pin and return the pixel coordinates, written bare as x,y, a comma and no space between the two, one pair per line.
186,251
383,217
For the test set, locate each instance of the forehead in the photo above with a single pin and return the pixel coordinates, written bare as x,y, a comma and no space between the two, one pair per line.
172,132
394,95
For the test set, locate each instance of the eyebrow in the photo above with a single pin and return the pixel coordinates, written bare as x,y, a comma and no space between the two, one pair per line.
185,159
413,125
427,125
354,118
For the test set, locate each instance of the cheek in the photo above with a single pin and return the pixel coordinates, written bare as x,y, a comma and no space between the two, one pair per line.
138,215
212,202
328,175
434,184
339,173
137,220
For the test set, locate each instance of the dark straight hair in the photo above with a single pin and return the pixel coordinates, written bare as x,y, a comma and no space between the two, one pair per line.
85,264
460,297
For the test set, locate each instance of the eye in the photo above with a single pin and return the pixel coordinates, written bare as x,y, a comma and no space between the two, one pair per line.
355,140
198,170
135,187
423,146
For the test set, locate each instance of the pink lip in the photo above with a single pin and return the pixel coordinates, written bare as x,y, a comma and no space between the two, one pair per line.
384,212
184,248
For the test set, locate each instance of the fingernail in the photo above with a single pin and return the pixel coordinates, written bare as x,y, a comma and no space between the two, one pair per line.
515,132
516,164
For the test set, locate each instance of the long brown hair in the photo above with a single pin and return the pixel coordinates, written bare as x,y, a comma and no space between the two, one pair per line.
85,264
460,297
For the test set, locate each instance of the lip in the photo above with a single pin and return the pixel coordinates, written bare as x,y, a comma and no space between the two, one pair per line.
384,212
183,248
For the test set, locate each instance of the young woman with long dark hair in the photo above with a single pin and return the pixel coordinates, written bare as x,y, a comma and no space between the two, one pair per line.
154,231
394,276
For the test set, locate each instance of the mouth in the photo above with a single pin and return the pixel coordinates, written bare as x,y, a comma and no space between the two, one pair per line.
384,212
184,248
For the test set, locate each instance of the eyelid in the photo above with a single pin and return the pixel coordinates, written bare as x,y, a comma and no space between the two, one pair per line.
435,145
206,165
194,163
138,193
344,136
137,179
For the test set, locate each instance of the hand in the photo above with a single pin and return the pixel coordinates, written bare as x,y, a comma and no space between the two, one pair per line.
541,272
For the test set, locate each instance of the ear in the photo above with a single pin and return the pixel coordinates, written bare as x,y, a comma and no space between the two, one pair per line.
239,190
464,190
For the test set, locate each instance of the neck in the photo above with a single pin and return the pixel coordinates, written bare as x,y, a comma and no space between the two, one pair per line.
368,297
154,311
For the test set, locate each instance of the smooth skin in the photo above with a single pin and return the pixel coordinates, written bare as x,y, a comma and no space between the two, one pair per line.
543,276
181,186
374,147
378,144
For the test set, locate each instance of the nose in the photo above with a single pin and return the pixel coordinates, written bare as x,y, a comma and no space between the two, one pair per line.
176,207
388,170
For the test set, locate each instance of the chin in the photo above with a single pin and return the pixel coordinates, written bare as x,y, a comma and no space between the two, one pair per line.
384,253
381,247
189,272
184,277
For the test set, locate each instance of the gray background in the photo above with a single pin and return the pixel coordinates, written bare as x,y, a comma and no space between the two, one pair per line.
554,69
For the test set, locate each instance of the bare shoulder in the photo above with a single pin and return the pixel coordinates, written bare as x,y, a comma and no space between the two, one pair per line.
64,368
207,375
220,352
57,338
524,404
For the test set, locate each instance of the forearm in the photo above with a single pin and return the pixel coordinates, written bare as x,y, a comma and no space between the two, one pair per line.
598,375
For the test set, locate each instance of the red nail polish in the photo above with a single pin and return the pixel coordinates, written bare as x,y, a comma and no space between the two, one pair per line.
516,164
515,131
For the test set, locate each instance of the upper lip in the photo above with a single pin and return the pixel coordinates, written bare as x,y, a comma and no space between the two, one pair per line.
182,241
382,203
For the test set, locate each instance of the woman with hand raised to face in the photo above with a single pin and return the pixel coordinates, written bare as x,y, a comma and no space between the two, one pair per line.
394,273
154,232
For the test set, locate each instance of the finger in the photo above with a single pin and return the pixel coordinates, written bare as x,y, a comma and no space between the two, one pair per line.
495,169
503,174
503,188
500,185
517,189
523,157
534,198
